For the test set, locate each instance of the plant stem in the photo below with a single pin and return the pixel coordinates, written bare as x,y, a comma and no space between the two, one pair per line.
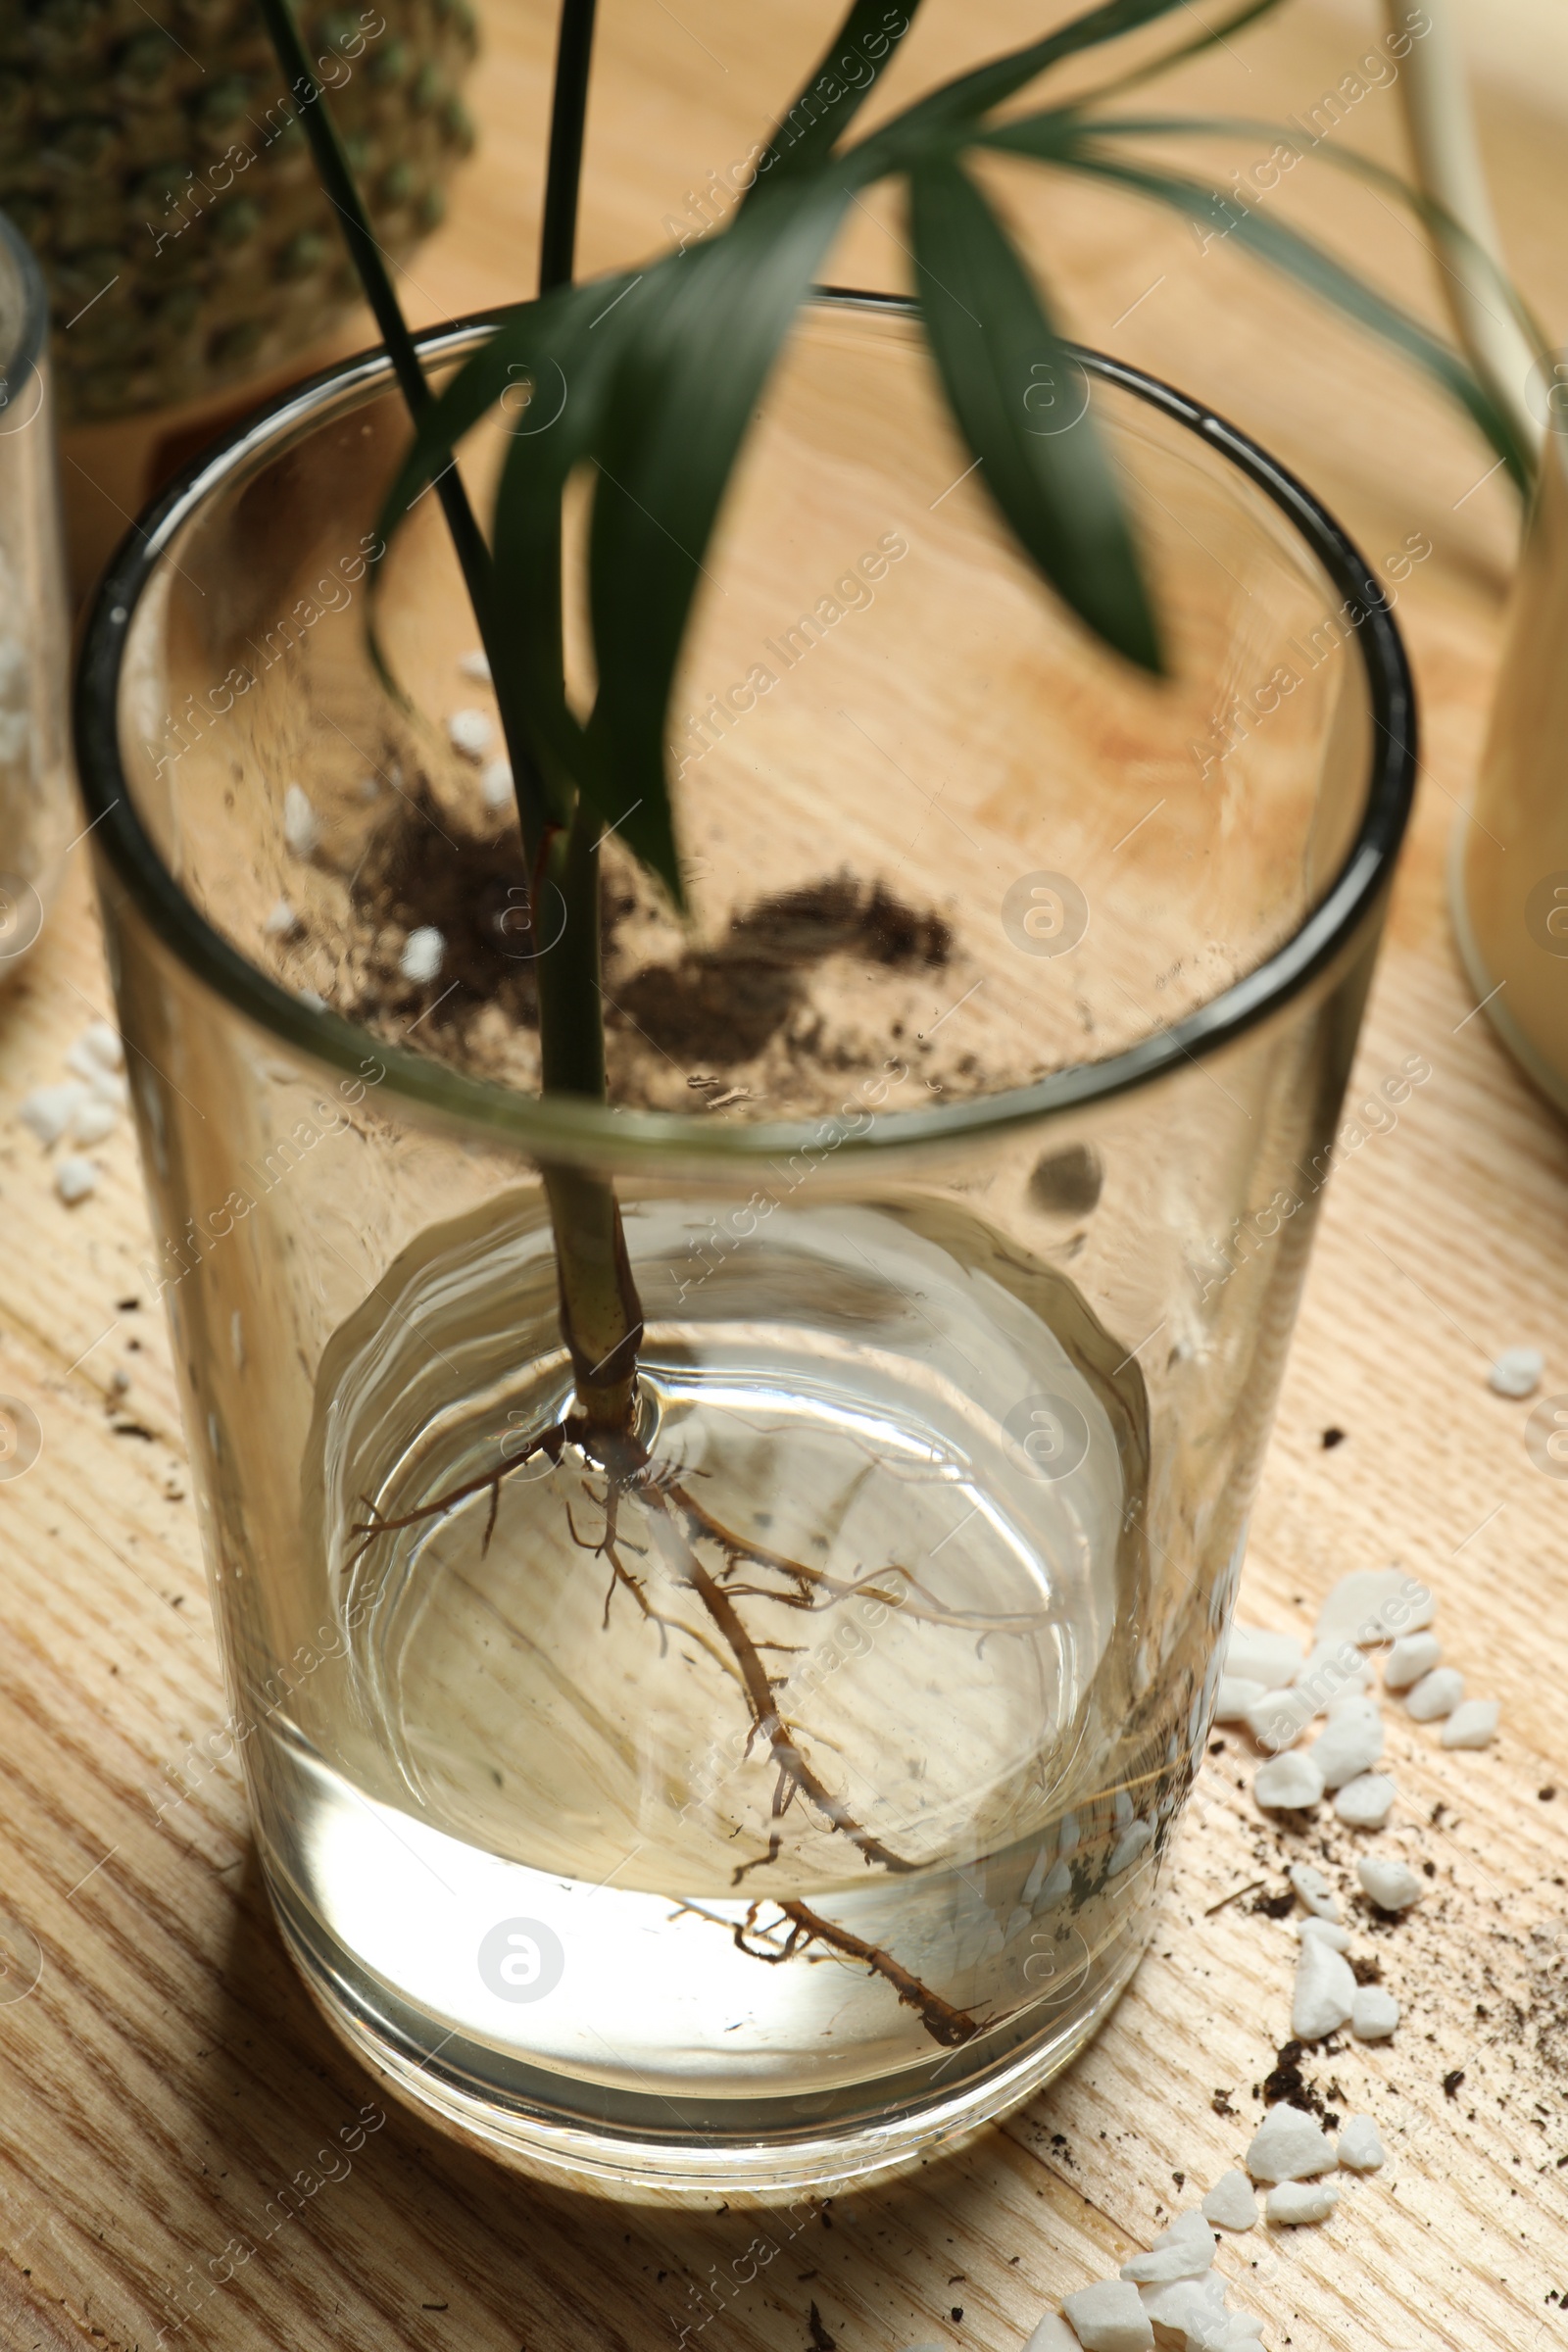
558,243
341,190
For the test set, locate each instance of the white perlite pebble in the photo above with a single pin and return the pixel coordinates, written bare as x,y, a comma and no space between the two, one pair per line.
1375,1604
1325,1992
1294,2202
1187,2310
1051,2335
1374,2013
471,732
1331,1671
1366,1802
1237,1692
1108,2317
105,1085
1230,2203
1287,1783
1436,1695
101,1039
1392,1886
1412,1656
1349,1744
1314,1890
475,665
1361,2149
301,828
1272,1659
74,1178
496,783
1278,1719
1288,2145
1474,1724
1183,2251
1324,1930
49,1109
1517,1372
1134,1841
423,951
280,921
93,1121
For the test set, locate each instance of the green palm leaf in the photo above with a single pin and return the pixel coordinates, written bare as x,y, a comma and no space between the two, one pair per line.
996,350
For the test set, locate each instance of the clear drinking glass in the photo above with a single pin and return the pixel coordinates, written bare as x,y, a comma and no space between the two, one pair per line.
968,1144
35,796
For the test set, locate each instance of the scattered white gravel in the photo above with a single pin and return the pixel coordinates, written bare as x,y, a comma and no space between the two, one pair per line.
423,952
1187,2310
1313,1889
93,1121
301,827
1230,2203
1412,1656
1351,1743
471,732
1330,1670
1135,1841
74,1178
1272,1659
1517,1372
1361,2149
1294,2202
49,1109
1237,1692
1436,1695
1324,1930
101,1039
1325,1992
1108,2317
1374,2013
109,1086
1279,1718
1287,1783
1474,1724
1366,1802
281,921
1183,2251
1289,2144
1392,1886
1374,1604
1051,2335
475,665
496,783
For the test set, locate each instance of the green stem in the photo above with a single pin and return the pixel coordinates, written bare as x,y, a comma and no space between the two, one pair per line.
558,243
342,192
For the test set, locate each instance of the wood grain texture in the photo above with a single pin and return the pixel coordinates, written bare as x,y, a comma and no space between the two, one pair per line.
167,2077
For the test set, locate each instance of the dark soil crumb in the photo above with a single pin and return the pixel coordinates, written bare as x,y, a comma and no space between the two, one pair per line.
1331,1438
1451,2082
821,2341
1274,1906
1546,1795
1287,2083
1367,1972
1221,2104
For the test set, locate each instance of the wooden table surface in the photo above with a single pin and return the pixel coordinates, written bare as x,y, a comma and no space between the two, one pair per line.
165,2076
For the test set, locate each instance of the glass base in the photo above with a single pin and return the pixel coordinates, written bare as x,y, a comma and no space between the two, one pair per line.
436,2074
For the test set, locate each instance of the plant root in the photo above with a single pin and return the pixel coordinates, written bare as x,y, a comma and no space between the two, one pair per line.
950,2026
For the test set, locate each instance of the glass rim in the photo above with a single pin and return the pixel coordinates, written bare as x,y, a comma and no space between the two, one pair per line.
563,1126
32,329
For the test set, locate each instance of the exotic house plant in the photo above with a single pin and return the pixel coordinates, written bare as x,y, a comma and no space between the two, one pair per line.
734,1093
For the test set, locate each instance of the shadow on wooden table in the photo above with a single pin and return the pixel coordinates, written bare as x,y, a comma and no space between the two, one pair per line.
431,2232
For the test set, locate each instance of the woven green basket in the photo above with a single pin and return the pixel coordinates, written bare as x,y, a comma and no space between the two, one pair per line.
154,162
